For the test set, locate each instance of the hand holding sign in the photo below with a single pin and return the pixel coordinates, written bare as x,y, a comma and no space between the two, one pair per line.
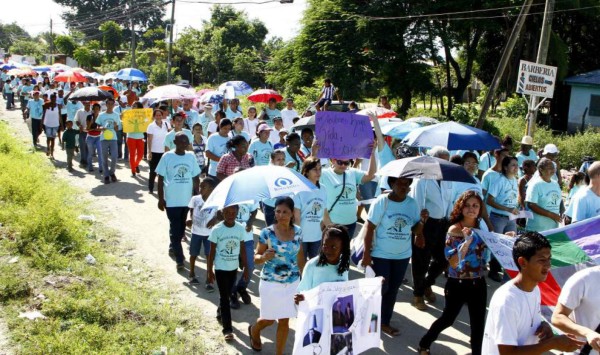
343,135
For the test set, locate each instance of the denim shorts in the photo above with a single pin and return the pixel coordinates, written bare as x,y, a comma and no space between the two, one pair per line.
51,132
196,244
324,102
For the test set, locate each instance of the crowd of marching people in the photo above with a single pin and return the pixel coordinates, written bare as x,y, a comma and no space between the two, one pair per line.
425,225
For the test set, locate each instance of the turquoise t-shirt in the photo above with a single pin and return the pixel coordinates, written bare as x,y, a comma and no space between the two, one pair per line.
585,204
228,241
394,222
217,145
312,206
244,212
531,155
26,89
289,158
242,133
344,211
261,151
36,108
283,268
231,114
488,179
459,188
486,161
72,109
178,172
546,195
170,138
314,275
107,120
272,114
192,118
505,192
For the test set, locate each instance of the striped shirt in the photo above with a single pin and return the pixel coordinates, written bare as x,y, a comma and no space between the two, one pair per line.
328,92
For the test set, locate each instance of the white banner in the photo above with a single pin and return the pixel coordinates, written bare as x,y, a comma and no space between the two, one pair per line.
501,246
339,318
536,79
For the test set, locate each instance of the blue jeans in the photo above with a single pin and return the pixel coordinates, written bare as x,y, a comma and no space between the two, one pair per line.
82,148
109,148
311,249
242,284
393,272
10,100
177,217
93,143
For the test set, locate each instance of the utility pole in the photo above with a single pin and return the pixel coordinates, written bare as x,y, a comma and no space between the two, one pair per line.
542,55
132,34
512,40
51,44
170,53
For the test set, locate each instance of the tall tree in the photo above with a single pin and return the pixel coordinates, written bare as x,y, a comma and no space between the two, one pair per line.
87,15
65,45
10,33
112,36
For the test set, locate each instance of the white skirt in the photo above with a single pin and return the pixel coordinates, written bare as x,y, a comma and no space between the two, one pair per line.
277,300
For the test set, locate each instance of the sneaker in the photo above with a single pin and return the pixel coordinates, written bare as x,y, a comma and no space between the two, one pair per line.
429,295
245,296
180,267
234,303
419,303
209,287
137,169
228,337
113,177
194,281
106,180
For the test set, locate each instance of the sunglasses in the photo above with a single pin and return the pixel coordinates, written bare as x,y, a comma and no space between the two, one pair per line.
345,162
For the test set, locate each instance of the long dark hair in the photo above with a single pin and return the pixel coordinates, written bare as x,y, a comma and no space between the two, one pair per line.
457,215
286,200
234,142
505,162
337,231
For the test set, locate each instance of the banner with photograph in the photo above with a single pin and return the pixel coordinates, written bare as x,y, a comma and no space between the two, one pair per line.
341,318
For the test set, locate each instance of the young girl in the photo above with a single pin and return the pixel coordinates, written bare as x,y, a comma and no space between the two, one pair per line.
332,263
225,251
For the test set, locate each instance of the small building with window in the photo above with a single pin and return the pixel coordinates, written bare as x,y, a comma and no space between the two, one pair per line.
584,103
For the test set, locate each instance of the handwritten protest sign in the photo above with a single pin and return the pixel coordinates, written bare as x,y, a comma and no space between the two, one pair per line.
136,120
343,135
501,246
339,318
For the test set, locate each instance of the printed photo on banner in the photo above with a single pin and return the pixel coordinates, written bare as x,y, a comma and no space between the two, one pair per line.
136,120
340,318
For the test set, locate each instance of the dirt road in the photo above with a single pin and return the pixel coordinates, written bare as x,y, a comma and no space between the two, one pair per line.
128,207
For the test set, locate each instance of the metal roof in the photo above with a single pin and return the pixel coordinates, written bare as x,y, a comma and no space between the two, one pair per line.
585,79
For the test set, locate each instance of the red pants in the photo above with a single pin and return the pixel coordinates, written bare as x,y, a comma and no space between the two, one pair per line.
136,152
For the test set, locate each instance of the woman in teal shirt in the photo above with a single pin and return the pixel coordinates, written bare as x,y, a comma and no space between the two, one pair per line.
544,199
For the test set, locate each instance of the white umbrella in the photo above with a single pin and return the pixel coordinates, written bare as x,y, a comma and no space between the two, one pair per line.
111,75
170,92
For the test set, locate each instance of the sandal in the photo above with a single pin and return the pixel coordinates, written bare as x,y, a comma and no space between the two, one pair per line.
423,351
228,337
252,340
389,330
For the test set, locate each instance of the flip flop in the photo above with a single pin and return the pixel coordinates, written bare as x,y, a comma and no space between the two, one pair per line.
389,330
252,340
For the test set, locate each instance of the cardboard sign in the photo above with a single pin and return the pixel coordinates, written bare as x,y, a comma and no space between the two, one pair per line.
343,135
536,79
136,120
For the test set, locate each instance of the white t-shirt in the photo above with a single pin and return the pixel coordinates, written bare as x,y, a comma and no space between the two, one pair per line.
158,136
513,318
250,126
212,127
81,117
580,295
201,217
274,136
288,117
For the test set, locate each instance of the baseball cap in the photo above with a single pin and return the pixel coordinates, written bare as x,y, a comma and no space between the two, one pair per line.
550,149
277,118
264,127
283,130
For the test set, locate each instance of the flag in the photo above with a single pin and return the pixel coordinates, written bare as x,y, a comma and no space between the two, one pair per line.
574,247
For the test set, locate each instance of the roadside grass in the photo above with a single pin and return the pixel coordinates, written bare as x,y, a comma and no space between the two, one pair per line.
113,306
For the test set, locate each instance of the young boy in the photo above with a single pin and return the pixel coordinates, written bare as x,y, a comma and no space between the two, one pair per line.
69,138
326,96
202,220
514,323
225,252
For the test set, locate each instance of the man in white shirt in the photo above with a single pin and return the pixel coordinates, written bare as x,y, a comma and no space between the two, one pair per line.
514,323
578,308
80,118
288,113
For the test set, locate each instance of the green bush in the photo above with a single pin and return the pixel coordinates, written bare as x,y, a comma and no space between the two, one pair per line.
514,107
465,114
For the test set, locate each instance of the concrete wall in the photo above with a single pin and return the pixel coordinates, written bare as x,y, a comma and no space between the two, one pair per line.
580,100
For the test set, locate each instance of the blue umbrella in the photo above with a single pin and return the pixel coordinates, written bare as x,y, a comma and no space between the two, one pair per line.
399,130
131,74
453,136
7,66
239,87
426,167
42,68
213,97
256,184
